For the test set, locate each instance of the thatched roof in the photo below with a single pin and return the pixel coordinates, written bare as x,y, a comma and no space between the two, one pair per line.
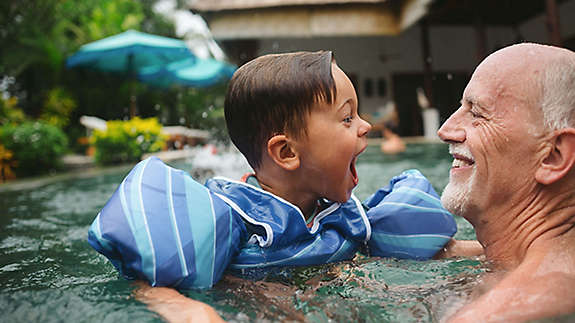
249,19
219,5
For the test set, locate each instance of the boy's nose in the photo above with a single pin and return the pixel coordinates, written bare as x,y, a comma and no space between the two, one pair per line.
452,130
364,127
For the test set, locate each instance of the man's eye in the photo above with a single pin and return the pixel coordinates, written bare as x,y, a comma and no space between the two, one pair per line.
475,114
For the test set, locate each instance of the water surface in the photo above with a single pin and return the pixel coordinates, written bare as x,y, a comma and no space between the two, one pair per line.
49,273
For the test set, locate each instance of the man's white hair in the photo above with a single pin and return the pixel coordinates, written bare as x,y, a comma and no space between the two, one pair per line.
558,92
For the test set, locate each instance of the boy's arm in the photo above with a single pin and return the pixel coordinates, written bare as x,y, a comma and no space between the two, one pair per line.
460,248
173,306
163,227
407,219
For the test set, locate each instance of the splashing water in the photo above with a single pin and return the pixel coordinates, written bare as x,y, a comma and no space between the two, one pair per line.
211,160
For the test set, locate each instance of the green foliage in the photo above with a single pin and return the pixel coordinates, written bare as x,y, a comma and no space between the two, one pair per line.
57,107
36,146
36,37
127,141
90,20
9,111
45,32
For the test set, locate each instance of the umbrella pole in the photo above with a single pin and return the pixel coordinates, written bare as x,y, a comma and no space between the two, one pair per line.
133,105
132,75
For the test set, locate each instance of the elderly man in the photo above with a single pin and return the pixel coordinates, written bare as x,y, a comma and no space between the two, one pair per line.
513,179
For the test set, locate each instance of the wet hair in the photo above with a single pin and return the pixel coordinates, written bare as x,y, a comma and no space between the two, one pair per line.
558,92
275,94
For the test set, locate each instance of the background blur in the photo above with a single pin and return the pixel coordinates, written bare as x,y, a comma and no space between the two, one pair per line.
402,55
390,48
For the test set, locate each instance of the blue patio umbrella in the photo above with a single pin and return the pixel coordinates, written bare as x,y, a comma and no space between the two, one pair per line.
128,53
193,72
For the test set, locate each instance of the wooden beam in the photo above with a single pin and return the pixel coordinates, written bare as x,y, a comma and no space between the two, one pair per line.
480,36
553,27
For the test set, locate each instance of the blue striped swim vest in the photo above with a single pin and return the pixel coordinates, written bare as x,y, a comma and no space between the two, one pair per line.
163,227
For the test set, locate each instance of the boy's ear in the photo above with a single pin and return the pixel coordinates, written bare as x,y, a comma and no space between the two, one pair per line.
282,153
560,159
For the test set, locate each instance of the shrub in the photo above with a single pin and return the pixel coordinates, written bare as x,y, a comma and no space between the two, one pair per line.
37,147
127,141
58,106
6,164
9,111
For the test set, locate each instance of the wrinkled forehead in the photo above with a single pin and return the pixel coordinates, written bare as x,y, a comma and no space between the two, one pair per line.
506,79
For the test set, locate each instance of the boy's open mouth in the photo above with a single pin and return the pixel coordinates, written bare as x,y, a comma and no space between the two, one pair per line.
353,170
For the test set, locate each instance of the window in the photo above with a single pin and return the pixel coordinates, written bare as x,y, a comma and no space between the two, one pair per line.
368,87
381,87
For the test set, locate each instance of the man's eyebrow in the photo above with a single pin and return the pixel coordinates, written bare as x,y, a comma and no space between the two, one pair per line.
467,100
472,101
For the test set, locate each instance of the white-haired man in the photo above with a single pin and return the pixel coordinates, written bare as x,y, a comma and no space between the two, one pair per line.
513,179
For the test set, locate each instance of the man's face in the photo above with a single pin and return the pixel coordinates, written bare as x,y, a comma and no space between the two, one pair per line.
336,135
494,138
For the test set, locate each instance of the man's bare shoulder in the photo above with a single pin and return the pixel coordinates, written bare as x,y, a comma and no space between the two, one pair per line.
518,298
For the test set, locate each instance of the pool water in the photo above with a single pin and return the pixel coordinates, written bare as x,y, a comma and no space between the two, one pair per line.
49,273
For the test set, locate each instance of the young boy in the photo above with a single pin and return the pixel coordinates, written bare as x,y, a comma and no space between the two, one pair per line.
295,119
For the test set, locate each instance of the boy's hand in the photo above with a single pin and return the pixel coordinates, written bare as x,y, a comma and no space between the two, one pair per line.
460,248
173,306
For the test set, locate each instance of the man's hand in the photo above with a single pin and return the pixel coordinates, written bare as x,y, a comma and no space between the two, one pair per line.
460,248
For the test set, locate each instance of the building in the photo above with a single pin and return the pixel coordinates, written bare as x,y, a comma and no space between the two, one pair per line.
391,48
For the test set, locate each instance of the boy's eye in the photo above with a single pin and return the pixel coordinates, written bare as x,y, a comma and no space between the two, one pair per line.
348,119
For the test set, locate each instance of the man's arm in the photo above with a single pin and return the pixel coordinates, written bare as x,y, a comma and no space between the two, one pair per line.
173,306
460,248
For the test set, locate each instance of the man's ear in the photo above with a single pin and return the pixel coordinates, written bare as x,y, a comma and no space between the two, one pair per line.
560,159
282,153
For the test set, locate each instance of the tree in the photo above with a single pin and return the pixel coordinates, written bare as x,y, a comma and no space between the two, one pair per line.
36,36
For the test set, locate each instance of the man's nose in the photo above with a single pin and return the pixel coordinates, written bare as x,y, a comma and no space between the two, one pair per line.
452,130
364,127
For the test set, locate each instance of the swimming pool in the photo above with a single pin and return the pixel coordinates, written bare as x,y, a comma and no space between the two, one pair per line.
49,273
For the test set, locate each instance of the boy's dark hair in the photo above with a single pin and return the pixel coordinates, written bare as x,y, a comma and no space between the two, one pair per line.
274,94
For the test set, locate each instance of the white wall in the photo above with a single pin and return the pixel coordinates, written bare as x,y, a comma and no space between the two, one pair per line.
360,56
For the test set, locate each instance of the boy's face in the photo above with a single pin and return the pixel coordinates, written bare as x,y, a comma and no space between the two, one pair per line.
336,135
